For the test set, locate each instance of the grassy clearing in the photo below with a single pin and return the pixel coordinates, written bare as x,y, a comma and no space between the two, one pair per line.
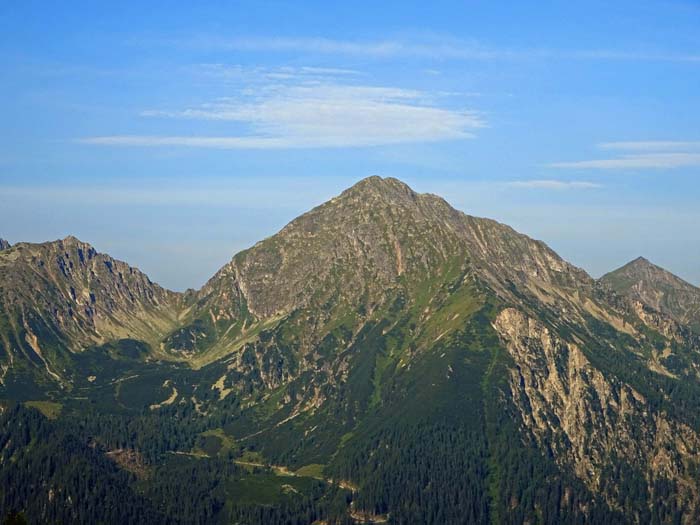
214,442
50,409
227,441
314,470
267,489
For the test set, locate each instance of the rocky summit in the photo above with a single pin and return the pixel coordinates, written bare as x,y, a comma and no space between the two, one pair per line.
659,289
384,358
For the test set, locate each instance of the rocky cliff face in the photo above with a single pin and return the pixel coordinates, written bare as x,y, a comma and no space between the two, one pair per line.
4,245
659,289
593,422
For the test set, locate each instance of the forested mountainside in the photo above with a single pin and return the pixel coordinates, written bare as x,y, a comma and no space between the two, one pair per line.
383,358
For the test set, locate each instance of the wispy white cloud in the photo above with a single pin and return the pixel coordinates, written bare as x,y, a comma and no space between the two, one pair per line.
434,48
317,116
328,71
445,48
191,142
643,154
549,184
640,56
641,161
257,74
651,145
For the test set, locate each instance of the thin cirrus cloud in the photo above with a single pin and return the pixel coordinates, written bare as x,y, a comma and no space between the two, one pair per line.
651,145
238,74
650,154
443,48
548,184
316,116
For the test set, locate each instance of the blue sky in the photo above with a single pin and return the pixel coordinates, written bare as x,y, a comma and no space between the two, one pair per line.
174,136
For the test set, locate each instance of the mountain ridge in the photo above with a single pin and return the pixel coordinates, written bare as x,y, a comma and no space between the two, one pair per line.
380,327
499,254
59,297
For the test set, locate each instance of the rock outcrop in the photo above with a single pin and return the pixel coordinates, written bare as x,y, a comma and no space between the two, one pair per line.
592,421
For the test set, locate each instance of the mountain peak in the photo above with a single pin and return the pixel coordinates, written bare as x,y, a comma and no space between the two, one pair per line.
643,269
376,181
387,188
640,262
4,245
71,240
377,236
379,227
657,288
